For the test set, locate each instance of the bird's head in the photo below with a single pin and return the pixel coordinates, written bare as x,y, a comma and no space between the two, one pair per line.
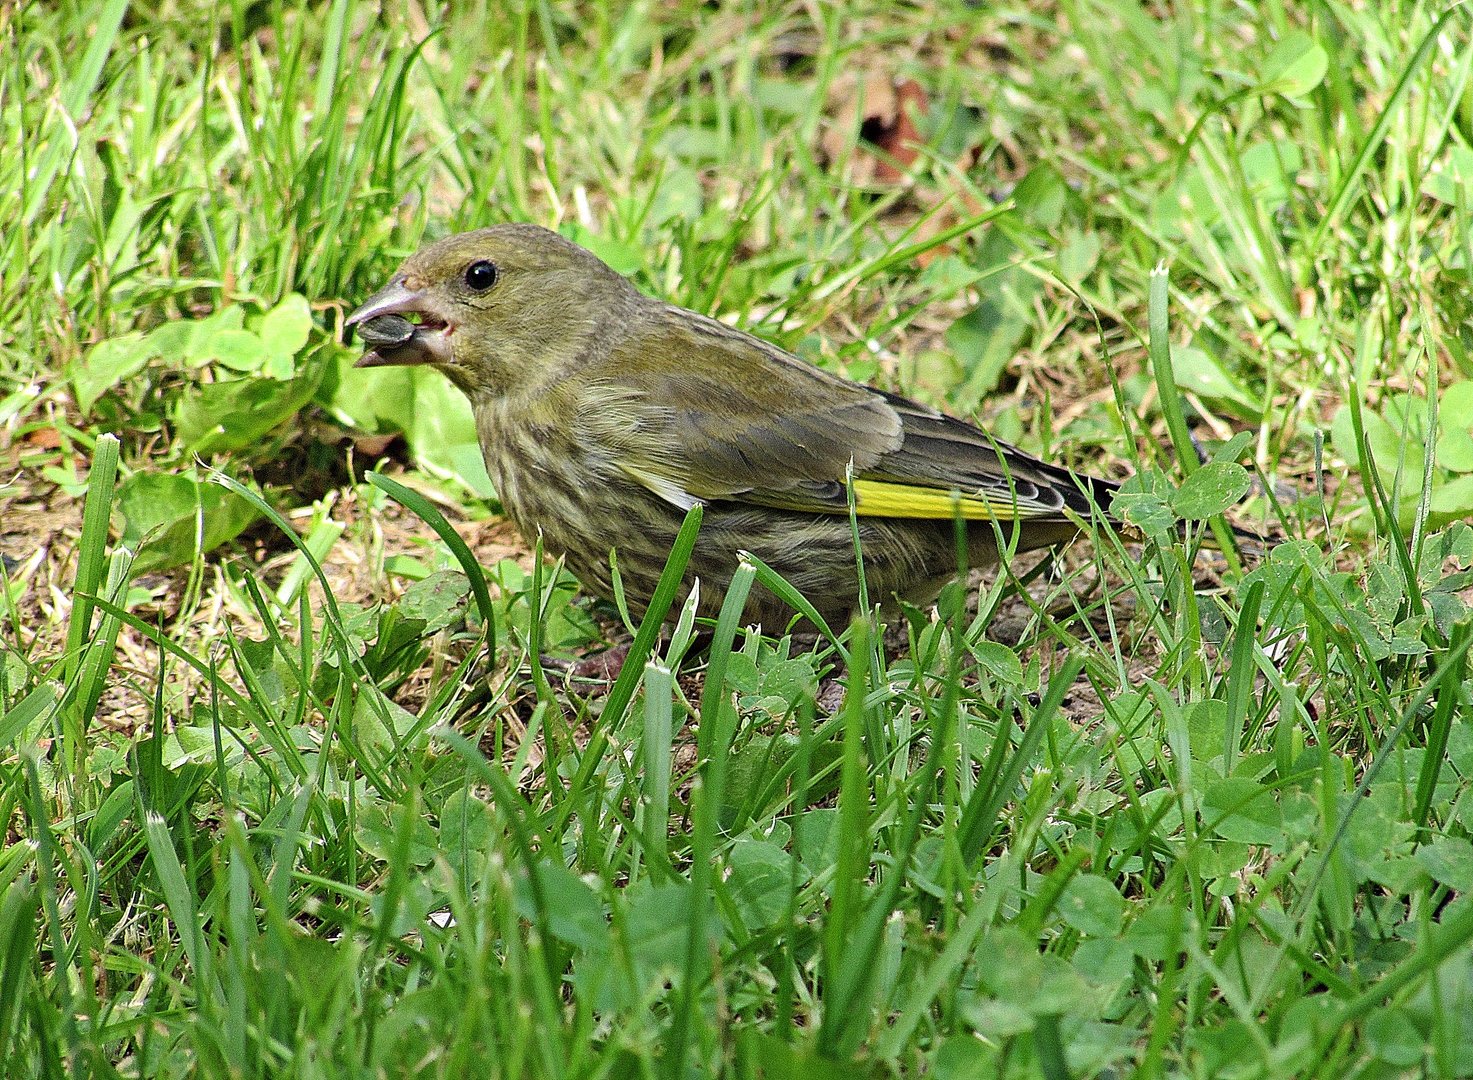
495,309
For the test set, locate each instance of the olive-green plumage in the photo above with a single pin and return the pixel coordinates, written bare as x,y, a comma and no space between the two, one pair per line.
605,414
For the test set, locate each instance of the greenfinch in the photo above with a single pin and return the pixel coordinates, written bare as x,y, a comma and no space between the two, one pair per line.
604,415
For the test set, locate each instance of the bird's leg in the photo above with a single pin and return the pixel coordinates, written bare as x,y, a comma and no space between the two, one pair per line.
600,667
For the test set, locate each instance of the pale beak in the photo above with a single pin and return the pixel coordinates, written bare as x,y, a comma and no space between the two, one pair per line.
391,338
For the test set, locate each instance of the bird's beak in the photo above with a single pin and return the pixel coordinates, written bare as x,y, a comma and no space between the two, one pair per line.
392,339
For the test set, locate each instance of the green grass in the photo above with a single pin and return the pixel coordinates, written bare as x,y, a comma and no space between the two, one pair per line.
287,787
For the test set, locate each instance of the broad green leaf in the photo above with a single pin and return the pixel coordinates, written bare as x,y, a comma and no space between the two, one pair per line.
1145,510
1092,905
172,517
438,601
761,878
1158,933
1455,427
947,274
1241,809
1269,167
575,914
1206,723
986,339
239,350
1042,983
1449,861
385,725
1452,182
816,838
284,332
278,367
1041,196
1200,373
1296,66
434,416
1390,448
1079,255
1210,490
106,364
1452,498
1392,1036
186,342
468,833
286,327
235,415
657,928
625,258
1233,449
378,833
1000,662
961,1057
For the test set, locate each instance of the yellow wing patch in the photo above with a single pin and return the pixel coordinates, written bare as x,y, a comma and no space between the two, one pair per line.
877,498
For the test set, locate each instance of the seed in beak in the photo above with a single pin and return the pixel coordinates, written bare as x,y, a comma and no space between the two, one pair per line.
386,331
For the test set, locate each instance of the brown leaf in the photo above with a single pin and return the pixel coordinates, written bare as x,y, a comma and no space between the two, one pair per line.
885,111
372,446
897,135
888,142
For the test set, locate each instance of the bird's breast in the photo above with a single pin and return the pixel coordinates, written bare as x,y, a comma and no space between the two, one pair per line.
566,490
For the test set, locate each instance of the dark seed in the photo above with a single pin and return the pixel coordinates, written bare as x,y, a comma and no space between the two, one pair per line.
386,331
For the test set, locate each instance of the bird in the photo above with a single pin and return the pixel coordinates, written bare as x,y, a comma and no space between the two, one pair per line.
605,414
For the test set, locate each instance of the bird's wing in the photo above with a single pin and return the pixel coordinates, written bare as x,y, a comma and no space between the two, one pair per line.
700,411
940,453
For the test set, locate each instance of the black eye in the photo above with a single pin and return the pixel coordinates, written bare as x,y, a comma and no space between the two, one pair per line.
481,275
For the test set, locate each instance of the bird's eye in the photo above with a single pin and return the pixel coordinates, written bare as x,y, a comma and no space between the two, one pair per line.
481,275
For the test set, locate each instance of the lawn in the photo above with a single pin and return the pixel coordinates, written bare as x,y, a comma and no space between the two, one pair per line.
294,776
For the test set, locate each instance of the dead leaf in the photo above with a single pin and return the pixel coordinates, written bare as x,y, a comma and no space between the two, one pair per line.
874,127
372,446
886,141
897,135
